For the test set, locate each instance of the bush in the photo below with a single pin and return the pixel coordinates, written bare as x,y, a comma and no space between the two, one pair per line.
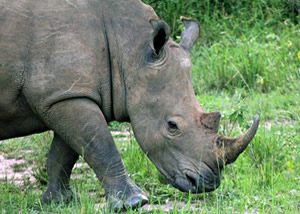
243,44
249,12
261,62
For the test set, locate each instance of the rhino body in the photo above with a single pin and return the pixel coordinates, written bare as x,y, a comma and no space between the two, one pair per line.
73,66
61,50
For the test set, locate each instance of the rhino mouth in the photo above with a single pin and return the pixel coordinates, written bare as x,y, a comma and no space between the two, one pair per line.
187,183
197,183
190,181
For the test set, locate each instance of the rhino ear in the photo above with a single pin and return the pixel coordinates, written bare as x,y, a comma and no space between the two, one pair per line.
191,33
161,33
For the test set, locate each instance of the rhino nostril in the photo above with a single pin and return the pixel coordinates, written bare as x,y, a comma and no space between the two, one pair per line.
193,180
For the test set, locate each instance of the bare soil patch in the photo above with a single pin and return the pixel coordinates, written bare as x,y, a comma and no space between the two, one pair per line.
10,172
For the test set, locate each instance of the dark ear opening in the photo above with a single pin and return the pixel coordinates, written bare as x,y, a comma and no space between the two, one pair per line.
159,40
160,35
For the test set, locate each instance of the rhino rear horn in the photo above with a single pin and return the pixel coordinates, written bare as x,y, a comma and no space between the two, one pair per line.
191,33
211,120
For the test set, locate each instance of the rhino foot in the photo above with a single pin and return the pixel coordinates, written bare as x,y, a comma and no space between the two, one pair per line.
132,202
131,197
57,196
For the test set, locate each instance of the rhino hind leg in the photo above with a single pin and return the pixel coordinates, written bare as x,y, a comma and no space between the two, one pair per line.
81,124
61,159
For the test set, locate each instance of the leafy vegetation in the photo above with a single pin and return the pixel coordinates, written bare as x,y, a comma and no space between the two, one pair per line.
247,62
248,44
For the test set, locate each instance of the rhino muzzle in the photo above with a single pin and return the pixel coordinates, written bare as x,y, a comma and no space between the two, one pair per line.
206,181
206,178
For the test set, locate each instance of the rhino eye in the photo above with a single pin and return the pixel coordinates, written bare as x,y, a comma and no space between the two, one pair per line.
172,125
173,129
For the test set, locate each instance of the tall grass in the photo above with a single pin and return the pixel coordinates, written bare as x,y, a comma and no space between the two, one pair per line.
244,44
248,13
261,61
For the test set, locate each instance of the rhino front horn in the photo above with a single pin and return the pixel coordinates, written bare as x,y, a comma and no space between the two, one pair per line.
191,33
235,146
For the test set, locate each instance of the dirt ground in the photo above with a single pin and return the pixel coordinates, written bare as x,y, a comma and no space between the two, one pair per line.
10,174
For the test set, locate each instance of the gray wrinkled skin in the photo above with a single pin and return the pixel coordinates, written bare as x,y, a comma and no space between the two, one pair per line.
72,66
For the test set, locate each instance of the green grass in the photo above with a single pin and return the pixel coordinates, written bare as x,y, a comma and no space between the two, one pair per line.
265,178
261,61
247,62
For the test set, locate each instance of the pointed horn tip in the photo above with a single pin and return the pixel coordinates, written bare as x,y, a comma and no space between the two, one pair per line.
238,145
256,120
249,135
186,19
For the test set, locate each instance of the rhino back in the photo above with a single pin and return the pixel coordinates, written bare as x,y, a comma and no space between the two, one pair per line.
56,50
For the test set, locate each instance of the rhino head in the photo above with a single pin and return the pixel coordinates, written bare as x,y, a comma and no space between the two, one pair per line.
170,126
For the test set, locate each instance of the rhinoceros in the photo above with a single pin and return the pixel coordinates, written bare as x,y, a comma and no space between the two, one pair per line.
73,66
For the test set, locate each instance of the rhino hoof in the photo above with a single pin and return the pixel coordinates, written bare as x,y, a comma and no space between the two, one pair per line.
136,201
133,202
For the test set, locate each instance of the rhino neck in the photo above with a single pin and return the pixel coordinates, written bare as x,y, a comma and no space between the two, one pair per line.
127,28
116,99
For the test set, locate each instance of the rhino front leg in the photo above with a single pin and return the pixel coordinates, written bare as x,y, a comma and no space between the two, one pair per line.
61,159
81,124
